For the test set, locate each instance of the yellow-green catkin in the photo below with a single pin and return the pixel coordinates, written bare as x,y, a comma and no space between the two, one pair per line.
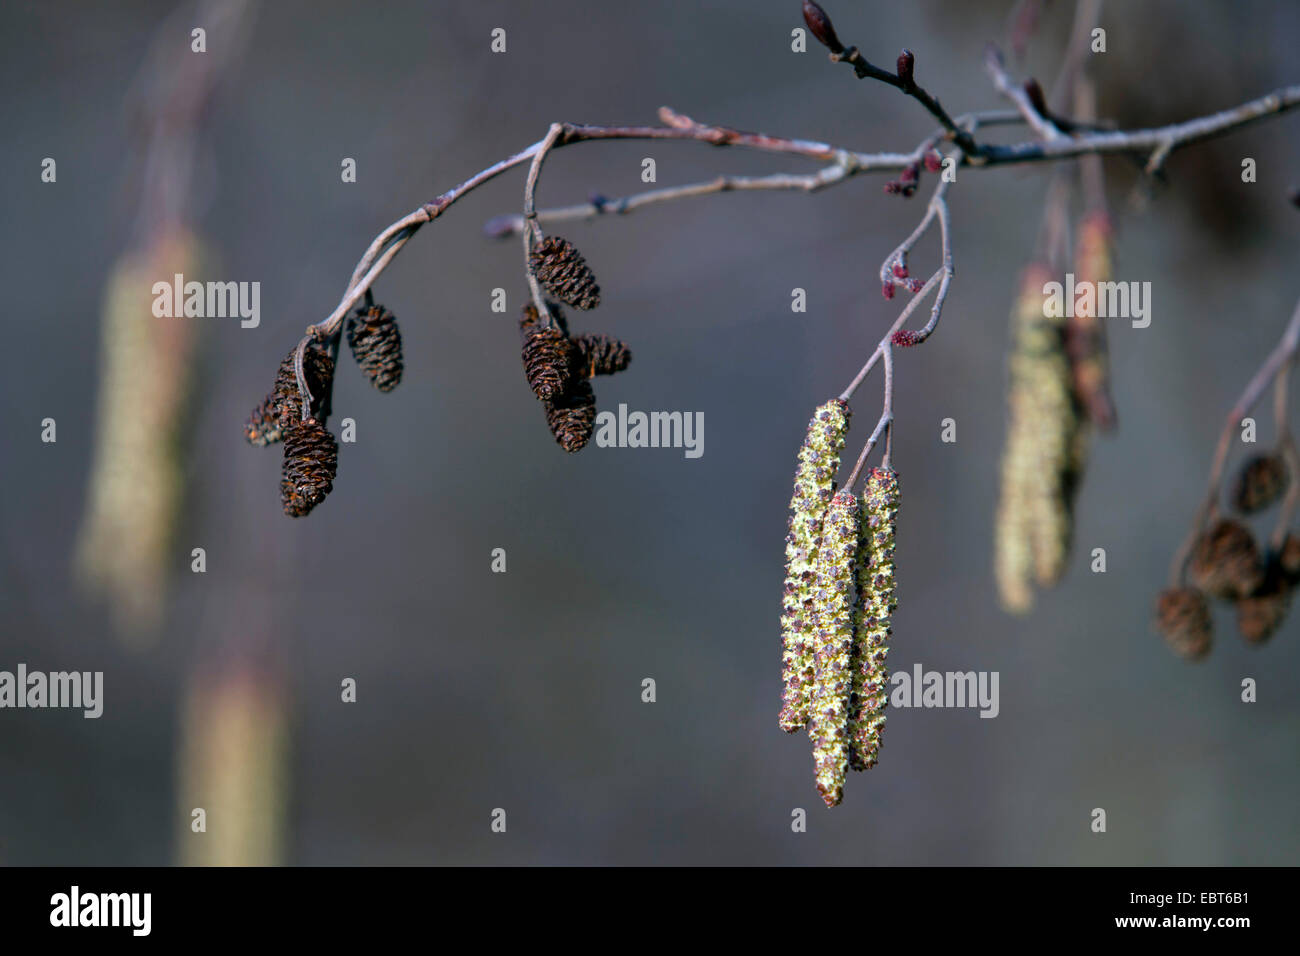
1044,446
819,459
833,627
877,598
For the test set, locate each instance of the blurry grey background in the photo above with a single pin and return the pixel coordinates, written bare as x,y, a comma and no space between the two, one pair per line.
522,690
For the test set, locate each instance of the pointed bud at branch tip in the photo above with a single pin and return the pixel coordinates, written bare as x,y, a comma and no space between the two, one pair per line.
887,290
819,25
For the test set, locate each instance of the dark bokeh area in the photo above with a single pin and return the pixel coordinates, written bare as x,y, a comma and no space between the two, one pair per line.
522,690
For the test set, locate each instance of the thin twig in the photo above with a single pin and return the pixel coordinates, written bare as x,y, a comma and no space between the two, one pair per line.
1139,140
869,71
884,424
499,227
1039,123
533,232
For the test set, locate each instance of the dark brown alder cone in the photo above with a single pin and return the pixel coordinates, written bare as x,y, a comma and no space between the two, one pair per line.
1183,619
1288,558
1259,615
572,415
529,319
263,425
266,423
548,356
311,460
564,273
376,344
601,355
1261,481
1226,562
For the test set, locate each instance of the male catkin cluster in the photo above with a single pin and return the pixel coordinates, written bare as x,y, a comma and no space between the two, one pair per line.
834,644
1045,452
877,598
559,367
819,459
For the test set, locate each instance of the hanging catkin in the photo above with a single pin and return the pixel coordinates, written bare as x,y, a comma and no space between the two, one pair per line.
833,636
819,459
1085,335
877,598
1044,453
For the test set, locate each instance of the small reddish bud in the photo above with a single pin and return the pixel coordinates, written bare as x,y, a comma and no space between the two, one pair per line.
910,174
900,270
905,63
904,338
819,25
914,285
887,290
933,161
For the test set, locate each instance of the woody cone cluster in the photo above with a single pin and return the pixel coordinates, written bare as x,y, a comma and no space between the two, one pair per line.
311,455
1226,562
559,367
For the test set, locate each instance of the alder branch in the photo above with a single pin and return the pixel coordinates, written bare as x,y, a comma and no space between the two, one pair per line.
392,238
509,224
533,232
1162,141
